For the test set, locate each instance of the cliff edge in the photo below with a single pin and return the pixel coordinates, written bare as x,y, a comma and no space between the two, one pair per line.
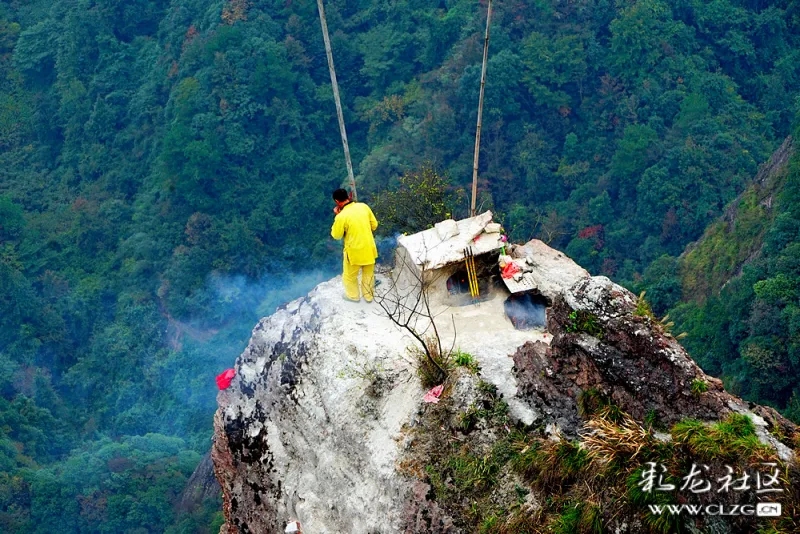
325,421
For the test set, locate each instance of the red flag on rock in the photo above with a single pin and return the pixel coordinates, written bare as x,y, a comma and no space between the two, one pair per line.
224,380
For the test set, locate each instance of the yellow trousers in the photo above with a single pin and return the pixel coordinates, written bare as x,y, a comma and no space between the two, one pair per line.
350,279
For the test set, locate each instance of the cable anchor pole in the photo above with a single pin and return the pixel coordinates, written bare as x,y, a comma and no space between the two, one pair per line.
335,85
480,112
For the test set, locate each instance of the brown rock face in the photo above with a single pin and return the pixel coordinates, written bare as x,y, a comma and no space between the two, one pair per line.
630,359
201,485
225,472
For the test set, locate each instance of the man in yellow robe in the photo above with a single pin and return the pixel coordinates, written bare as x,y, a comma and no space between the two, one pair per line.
356,222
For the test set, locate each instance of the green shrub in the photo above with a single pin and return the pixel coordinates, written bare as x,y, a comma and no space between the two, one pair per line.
643,307
464,359
699,386
583,321
732,439
663,523
593,401
652,420
578,517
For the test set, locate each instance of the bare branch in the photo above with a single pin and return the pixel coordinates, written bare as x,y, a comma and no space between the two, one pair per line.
410,308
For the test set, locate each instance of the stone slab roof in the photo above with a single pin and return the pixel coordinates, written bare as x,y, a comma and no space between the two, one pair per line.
445,243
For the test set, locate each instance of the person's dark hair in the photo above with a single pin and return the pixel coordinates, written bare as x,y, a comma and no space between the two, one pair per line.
341,195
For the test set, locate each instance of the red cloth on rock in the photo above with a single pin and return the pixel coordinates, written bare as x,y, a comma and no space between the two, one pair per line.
510,270
224,380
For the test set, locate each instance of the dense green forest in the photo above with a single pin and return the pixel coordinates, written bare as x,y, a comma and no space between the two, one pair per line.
165,170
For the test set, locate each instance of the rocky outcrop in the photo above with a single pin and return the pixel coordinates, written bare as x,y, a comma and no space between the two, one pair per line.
201,486
321,422
297,437
553,271
777,163
630,359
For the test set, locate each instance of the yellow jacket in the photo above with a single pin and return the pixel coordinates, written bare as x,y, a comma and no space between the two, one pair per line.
356,223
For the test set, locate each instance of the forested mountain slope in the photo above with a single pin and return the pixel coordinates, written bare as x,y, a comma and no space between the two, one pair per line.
737,237
166,166
740,287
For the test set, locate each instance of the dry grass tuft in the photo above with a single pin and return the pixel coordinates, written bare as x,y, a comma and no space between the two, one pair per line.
613,440
552,465
524,522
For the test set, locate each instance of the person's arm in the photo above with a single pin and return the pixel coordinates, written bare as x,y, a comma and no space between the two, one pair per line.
373,222
337,231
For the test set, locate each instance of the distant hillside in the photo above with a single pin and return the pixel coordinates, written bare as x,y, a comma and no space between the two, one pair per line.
738,236
741,289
